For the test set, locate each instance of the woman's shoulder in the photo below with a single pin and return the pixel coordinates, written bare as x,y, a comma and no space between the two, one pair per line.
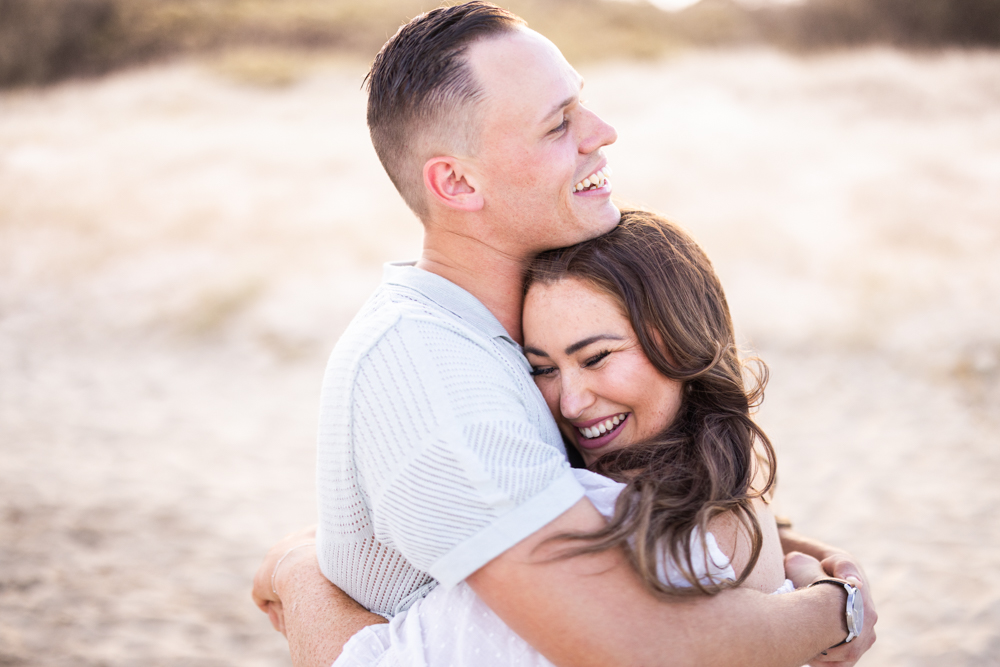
602,491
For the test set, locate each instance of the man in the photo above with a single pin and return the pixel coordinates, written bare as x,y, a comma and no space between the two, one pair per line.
438,460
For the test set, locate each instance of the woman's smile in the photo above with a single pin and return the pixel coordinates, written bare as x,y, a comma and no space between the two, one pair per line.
598,432
603,391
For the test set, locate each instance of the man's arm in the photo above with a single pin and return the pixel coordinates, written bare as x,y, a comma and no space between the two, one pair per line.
593,610
836,562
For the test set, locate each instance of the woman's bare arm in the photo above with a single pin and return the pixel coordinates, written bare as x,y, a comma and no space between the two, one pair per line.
593,610
836,563
317,618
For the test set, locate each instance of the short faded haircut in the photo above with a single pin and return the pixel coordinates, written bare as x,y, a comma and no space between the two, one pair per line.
421,88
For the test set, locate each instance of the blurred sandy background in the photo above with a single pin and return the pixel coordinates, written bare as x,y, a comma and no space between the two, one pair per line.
181,244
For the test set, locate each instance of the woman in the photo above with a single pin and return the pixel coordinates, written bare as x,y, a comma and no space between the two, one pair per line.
632,346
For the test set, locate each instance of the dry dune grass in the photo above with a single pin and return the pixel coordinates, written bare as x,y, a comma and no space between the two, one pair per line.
179,250
48,40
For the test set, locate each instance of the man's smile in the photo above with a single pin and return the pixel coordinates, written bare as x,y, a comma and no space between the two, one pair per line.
595,181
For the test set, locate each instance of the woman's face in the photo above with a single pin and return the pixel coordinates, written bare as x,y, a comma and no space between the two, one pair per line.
600,386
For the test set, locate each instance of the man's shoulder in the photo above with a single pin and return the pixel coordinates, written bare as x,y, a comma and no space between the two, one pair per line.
398,311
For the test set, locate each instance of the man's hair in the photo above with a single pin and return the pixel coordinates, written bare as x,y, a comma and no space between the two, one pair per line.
421,88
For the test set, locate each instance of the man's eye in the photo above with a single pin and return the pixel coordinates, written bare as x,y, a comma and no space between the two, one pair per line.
596,359
540,371
562,126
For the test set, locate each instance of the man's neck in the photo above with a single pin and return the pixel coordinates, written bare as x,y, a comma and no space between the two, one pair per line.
495,278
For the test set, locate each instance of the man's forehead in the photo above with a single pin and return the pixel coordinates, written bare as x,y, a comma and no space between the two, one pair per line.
524,69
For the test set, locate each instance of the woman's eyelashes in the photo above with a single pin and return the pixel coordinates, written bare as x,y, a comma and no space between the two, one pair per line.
596,359
589,362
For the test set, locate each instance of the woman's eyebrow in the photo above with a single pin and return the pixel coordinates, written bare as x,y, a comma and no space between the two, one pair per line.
579,345
535,351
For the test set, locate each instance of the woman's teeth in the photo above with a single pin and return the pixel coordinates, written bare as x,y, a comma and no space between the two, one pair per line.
594,181
602,428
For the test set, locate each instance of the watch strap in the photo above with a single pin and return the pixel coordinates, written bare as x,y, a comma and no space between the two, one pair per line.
853,592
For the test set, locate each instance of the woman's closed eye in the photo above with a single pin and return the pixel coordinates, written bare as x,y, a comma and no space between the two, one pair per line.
596,359
542,371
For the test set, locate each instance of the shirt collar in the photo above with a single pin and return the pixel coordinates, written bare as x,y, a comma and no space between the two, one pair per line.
446,294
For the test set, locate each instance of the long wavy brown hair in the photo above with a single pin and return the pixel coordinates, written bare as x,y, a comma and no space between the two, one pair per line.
704,463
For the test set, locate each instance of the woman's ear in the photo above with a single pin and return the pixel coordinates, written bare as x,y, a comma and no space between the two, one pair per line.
448,183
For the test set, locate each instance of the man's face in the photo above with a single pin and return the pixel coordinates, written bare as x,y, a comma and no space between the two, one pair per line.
537,145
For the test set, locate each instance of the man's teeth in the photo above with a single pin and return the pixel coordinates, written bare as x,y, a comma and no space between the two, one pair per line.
602,428
597,180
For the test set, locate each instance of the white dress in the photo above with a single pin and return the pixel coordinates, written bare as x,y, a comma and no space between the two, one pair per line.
454,627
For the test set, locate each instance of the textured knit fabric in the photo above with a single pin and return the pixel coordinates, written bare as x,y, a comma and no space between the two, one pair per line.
436,451
455,628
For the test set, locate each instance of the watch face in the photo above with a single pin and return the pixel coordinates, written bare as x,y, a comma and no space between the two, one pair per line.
856,619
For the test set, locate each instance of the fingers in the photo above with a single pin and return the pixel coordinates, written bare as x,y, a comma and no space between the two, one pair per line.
802,569
846,654
843,566
263,593
277,615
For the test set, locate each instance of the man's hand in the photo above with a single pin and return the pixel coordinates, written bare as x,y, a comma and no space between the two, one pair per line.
264,581
826,561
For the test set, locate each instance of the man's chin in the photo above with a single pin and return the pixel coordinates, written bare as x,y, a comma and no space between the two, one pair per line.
616,215
587,225
605,220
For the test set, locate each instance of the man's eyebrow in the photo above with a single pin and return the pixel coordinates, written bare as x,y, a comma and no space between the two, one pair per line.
565,103
579,345
559,107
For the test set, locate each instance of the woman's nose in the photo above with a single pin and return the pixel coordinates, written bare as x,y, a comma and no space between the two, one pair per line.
575,397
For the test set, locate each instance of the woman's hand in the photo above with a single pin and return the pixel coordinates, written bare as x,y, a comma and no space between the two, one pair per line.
315,616
290,551
803,570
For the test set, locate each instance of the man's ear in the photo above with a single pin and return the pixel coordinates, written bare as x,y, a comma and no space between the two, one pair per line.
448,182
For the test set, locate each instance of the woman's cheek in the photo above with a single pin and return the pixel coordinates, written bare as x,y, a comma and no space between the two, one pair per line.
550,393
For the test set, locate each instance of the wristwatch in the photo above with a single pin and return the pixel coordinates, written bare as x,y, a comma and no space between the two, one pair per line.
855,607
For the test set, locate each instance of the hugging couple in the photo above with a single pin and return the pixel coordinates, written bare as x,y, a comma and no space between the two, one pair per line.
541,325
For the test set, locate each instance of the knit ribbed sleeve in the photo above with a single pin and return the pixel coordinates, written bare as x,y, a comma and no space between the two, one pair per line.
436,453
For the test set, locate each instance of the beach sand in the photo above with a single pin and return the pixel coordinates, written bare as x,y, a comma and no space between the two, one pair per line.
179,251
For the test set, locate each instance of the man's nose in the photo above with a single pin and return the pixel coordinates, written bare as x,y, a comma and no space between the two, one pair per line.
598,133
